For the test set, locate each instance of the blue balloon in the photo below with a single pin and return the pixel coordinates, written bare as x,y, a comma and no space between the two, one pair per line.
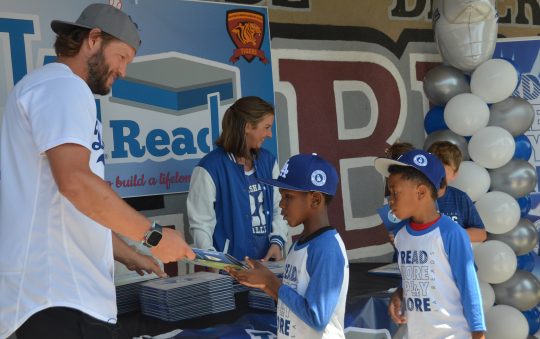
523,148
524,204
434,120
526,262
533,318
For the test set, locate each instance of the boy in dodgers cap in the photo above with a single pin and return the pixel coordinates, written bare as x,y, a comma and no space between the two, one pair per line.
428,164
312,295
440,296
306,173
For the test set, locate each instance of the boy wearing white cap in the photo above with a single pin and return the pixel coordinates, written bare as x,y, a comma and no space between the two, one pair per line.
312,296
440,296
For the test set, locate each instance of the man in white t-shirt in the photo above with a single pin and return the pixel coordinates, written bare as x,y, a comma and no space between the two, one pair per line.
56,211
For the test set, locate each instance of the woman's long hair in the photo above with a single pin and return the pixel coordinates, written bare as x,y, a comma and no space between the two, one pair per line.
246,110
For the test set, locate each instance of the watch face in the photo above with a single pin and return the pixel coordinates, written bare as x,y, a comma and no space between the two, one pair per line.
153,238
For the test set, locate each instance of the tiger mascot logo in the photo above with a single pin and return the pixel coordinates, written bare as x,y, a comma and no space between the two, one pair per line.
246,32
246,29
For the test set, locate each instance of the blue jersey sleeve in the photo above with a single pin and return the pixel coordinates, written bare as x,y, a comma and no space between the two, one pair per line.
325,269
460,257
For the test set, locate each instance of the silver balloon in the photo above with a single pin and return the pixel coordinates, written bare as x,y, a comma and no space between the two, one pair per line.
442,83
517,178
465,31
522,238
521,291
514,114
448,135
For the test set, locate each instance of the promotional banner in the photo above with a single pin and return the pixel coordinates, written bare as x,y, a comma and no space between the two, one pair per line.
195,60
524,55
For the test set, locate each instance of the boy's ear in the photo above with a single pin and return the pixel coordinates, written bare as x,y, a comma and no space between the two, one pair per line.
316,199
421,191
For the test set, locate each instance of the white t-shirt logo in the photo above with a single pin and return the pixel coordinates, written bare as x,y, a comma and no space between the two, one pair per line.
318,178
420,160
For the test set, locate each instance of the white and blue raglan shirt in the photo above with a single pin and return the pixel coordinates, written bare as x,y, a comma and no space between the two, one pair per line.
441,294
312,298
459,207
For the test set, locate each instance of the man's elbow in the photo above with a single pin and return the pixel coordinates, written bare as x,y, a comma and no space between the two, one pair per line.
71,186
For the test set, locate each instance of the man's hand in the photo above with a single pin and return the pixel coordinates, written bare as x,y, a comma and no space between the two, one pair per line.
134,260
394,307
141,263
172,247
274,252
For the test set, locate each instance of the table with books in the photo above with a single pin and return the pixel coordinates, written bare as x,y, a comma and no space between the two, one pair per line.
212,305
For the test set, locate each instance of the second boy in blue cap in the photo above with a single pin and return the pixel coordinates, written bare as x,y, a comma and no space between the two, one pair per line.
312,296
440,296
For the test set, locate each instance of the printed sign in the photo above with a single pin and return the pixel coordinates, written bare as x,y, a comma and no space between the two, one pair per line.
164,116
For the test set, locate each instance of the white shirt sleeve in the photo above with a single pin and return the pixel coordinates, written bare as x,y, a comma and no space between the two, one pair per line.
280,227
200,208
55,122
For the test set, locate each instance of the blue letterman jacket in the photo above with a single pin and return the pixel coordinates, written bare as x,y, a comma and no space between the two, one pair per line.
218,204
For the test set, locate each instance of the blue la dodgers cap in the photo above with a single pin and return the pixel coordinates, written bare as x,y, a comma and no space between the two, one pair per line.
427,163
306,173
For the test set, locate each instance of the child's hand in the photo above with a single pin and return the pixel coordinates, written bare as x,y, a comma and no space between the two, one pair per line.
478,335
394,307
274,252
391,238
257,276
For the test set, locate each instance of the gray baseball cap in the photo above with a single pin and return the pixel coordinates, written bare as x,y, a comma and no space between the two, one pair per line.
107,18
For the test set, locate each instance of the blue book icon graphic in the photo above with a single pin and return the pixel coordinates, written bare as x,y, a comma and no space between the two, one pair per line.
390,221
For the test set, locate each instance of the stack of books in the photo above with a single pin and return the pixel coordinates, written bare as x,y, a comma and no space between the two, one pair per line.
128,282
258,299
127,297
261,301
188,296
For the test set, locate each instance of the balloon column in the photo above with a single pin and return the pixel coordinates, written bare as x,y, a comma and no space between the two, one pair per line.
487,124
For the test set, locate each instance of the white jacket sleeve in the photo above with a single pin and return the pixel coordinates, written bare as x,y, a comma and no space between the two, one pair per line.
200,208
280,228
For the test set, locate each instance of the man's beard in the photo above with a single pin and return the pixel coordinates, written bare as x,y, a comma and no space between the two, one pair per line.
98,74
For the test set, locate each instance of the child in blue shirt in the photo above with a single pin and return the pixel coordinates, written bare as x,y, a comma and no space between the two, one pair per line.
312,296
453,202
440,295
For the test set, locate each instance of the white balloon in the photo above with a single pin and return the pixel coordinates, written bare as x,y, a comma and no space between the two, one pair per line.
492,147
495,260
472,179
499,211
494,80
465,31
506,322
466,113
488,295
